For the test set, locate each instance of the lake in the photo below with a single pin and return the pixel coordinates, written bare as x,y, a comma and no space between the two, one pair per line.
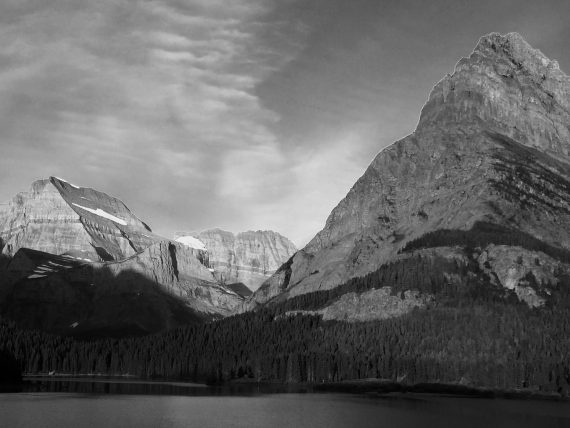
62,404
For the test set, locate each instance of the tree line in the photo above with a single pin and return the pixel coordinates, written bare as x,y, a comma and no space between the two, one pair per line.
497,344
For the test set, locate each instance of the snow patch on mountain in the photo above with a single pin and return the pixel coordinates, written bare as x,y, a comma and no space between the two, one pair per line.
102,213
191,242
65,181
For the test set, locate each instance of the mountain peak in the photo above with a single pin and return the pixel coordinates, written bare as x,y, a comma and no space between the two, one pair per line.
492,145
505,86
517,49
61,182
56,216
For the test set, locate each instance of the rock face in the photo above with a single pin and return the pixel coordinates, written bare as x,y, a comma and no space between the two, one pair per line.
73,255
492,145
248,257
371,305
42,219
56,217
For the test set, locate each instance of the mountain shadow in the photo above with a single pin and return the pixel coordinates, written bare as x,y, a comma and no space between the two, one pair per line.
82,301
4,259
240,288
483,234
10,372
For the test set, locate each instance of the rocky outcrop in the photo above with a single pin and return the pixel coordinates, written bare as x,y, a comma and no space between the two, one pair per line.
248,257
177,270
377,304
374,305
492,144
523,271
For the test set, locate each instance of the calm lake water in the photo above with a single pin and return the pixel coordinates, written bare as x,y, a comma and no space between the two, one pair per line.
107,405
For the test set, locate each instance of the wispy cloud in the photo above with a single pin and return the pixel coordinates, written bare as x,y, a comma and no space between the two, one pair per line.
239,114
293,190
153,100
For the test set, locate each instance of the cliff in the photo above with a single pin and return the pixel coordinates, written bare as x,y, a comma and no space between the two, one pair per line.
57,217
247,257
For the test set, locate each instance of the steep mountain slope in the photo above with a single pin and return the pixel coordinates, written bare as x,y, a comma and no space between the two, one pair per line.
491,148
56,216
248,257
73,256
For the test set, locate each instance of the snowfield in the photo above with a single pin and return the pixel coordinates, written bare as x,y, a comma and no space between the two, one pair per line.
65,181
102,213
191,242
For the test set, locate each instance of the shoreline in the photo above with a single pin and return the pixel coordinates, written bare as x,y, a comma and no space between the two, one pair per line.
125,379
389,388
370,387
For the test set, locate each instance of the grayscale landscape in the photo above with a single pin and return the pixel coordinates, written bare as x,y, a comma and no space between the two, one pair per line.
284,214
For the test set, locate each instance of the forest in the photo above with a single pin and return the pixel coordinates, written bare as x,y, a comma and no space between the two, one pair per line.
498,344
474,333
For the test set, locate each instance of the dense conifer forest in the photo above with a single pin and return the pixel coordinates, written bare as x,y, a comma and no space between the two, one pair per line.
497,343
474,332
10,370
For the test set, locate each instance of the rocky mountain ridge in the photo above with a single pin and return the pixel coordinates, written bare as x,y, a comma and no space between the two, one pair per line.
247,257
491,146
76,256
56,216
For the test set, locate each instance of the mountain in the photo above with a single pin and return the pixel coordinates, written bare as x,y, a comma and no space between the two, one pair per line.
56,217
453,247
247,257
77,261
478,193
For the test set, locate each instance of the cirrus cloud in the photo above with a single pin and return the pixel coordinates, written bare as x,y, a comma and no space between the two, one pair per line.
238,114
145,99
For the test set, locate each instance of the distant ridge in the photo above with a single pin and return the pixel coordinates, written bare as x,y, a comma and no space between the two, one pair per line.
246,257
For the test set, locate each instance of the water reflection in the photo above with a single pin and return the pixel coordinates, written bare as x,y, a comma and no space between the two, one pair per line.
94,403
135,387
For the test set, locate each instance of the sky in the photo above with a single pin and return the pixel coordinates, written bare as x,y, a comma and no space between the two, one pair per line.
241,114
